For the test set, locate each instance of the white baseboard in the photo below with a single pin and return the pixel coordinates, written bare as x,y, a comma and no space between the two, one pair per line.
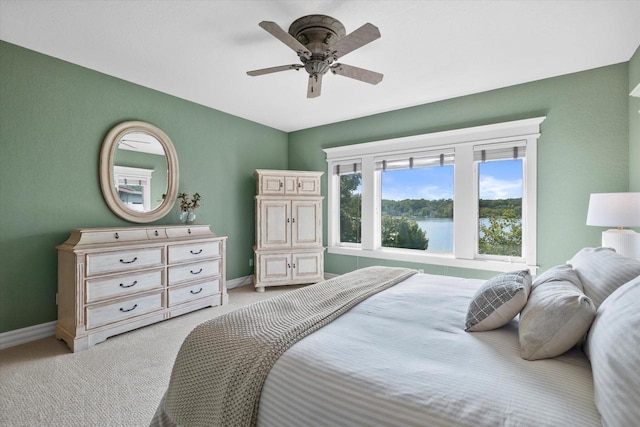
24,335
240,281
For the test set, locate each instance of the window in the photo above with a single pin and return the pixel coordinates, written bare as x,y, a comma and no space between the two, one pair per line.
464,198
500,172
350,181
417,201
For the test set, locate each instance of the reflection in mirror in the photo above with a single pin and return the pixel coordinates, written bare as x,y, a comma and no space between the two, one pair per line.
133,186
138,171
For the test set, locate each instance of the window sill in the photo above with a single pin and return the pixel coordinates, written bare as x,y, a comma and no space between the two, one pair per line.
448,260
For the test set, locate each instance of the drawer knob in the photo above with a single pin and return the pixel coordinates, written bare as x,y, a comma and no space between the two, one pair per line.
196,272
196,253
129,262
196,292
156,233
124,310
189,230
122,285
117,236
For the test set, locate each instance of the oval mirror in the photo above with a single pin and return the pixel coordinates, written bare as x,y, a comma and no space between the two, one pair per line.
138,172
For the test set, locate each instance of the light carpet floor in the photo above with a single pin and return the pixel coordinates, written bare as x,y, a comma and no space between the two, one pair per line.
116,383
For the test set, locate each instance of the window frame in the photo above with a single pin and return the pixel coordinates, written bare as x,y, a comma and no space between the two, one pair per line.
462,141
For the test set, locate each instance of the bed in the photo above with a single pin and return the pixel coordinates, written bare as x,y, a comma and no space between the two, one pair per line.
400,356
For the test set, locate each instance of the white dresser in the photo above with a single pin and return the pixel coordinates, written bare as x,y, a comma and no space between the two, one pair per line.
113,280
288,246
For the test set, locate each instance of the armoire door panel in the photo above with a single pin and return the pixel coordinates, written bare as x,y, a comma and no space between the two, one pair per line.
307,265
275,223
275,267
307,223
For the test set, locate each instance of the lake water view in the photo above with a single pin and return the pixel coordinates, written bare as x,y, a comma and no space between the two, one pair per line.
440,232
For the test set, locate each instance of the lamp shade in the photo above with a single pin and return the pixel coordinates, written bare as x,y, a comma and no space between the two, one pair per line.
614,210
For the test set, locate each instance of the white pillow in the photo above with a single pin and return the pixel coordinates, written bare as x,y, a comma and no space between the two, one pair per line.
602,271
498,301
556,317
613,346
563,272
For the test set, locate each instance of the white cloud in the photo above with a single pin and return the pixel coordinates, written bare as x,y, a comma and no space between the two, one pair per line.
430,192
494,188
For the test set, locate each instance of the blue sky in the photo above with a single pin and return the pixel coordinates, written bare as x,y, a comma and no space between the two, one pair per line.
498,180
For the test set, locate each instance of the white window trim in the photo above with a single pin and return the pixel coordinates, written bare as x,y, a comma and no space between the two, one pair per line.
465,193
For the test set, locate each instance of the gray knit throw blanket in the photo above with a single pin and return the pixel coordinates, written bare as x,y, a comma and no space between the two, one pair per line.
222,365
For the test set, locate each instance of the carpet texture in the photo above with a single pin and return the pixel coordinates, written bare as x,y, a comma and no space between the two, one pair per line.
119,382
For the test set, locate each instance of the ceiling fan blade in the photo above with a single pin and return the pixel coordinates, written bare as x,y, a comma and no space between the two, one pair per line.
314,87
274,69
286,38
135,140
361,74
358,38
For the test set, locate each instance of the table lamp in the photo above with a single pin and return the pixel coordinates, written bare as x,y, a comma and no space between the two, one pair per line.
617,210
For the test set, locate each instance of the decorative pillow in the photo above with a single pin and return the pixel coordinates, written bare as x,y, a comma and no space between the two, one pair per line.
612,346
602,271
556,317
563,272
498,301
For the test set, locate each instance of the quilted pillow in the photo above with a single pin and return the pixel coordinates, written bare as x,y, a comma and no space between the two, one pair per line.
602,271
612,346
556,317
498,301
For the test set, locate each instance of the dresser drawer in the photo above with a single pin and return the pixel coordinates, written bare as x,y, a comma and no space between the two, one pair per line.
114,236
188,231
123,309
156,233
193,251
193,292
115,286
112,262
195,271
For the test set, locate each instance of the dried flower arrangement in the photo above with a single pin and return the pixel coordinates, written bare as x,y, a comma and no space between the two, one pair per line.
186,204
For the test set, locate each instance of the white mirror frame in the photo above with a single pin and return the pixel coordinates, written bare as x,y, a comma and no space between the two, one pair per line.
107,185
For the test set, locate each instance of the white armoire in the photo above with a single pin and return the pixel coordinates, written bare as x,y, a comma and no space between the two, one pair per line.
288,247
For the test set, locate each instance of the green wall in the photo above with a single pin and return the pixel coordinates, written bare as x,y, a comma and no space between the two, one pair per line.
53,117
634,123
583,149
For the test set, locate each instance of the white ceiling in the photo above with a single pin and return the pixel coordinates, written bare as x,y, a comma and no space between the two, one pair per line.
429,50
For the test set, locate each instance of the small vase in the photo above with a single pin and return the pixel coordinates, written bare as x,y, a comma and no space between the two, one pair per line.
191,217
188,216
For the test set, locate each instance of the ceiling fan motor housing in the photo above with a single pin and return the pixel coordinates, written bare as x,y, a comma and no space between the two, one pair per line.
317,33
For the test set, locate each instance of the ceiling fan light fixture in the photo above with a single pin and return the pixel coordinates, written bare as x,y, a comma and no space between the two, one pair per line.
317,66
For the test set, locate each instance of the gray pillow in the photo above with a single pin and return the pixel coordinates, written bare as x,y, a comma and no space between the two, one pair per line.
602,271
556,317
498,301
563,272
613,347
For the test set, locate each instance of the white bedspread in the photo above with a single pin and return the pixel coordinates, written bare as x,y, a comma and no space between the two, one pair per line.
402,358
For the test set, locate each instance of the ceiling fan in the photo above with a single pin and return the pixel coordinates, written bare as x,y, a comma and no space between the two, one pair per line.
319,41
